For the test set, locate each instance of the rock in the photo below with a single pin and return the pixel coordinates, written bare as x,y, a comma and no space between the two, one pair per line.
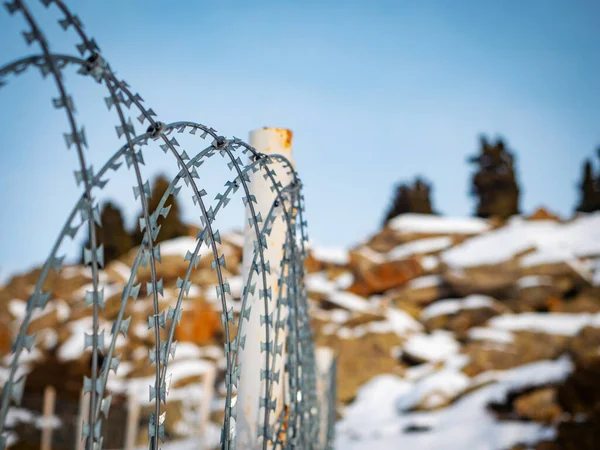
526,347
420,291
201,325
497,280
542,213
585,346
461,321
360,359
372,278
539,405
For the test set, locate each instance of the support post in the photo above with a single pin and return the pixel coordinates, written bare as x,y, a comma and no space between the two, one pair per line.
252,386
133,421
48,414
207,397
84,405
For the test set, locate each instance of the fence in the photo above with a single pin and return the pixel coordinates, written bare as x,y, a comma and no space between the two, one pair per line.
289,417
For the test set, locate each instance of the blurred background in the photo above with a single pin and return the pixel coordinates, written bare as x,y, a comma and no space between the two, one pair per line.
449,155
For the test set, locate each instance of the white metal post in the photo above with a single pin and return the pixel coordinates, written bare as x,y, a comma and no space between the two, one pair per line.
250,415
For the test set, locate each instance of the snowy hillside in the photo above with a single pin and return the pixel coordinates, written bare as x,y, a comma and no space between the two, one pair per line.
450,333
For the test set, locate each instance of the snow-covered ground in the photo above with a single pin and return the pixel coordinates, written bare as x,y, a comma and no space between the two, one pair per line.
377,418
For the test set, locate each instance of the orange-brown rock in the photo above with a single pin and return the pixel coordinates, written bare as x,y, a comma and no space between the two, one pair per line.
542,213
199,325
540,405
371,278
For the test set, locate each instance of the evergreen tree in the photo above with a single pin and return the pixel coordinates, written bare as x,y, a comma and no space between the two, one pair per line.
112,234
494,182
590,192
409,198
171,226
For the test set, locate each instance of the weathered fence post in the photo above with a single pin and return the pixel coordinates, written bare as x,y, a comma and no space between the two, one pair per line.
251,386
84,404
48,414
325,361
133,421
207,397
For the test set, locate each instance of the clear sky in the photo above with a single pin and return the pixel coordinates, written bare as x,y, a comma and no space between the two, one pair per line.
375,92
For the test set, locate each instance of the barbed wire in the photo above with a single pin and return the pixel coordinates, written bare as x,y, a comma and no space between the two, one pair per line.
298,424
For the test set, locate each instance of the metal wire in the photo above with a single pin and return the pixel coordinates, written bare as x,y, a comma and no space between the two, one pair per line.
299,427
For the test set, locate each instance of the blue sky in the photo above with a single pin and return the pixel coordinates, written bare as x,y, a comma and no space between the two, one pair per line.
375,92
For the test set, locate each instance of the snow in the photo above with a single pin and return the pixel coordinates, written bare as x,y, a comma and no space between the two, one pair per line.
434,390
349,301
319,283
337,256
428,223
544,241
534,280
235,238
454,305
491,334
425,282
429,262
437,346
344,281
401,322
552,323
420,246
371,255
376,418
122,269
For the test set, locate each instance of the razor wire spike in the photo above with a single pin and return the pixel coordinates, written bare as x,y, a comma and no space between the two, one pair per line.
189,256
89,298
266,319
89,341
38,300
156,319
241,341
249,288
15,390
12,7
179,284
152,355
159,287
87,386
114,363
24,340
164,212
184,156
145,189
135,291
266,346
227,317
224,198
219,262
156,253
174,314
87,256
30,36
246,312
155,232
226,287
268,404
152,428
144,257
105,405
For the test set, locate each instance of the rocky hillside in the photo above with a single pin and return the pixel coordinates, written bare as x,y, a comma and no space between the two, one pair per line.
451,333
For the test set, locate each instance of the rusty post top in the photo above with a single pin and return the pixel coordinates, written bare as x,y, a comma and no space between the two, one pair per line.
284,136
